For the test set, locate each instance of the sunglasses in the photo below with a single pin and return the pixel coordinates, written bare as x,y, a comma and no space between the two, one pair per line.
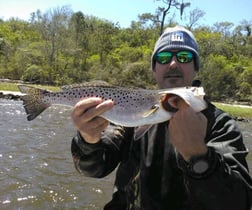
166,56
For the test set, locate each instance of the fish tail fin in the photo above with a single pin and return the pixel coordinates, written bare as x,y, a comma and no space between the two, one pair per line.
33,101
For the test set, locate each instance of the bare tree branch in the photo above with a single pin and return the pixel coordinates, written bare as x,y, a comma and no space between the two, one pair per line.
165,11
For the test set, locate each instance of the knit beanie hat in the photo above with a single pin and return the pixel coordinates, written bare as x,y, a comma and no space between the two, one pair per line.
176,38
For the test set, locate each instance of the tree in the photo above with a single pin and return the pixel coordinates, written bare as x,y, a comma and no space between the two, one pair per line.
224,28
53,28
194,17
14,35
103,39
163,11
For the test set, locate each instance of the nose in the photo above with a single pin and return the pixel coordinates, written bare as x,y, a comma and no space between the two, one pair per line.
173,63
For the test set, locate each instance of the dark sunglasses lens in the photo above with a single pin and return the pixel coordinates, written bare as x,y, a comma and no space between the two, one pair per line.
164,57
184,56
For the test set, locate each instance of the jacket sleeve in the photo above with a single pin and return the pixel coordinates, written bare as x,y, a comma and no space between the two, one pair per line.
227,183
98,160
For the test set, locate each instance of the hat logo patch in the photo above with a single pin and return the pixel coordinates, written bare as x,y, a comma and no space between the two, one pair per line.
177,37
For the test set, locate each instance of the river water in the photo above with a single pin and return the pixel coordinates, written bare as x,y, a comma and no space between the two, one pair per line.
37,171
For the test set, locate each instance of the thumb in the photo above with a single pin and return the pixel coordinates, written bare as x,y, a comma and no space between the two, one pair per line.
181,103
177,102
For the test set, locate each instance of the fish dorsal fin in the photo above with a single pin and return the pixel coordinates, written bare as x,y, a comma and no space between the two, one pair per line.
153,109
94,83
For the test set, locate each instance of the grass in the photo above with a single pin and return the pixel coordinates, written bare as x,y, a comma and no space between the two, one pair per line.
234,111
8,86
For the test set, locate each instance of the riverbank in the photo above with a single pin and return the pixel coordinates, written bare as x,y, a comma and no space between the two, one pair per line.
239,112
12,95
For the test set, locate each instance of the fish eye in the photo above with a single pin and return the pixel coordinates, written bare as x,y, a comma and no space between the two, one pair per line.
155,106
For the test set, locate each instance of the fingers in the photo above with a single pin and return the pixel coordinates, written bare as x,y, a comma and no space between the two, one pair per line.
91,131
85,104
90,108
86,118
93,125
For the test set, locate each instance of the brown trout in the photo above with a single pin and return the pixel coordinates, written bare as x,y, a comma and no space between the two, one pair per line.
132,107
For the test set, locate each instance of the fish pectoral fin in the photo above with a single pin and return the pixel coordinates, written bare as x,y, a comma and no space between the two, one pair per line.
153,109
139,132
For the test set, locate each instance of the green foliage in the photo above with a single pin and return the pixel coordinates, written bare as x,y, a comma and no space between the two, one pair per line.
33,74
244,81
137,74
61,47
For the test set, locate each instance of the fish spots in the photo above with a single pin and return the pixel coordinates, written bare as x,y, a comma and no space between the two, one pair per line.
123,98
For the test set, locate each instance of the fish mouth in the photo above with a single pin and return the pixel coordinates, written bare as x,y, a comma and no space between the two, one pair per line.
166,102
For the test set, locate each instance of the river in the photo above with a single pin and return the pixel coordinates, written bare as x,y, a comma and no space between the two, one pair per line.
37,171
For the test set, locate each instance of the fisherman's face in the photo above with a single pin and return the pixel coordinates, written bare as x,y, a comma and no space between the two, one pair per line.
174,73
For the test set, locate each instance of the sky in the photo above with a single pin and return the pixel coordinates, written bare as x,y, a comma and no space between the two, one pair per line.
125,11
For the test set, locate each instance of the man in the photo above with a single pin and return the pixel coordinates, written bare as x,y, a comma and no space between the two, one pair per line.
194,161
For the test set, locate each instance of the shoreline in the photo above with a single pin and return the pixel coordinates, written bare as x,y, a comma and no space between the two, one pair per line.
236,105
12,95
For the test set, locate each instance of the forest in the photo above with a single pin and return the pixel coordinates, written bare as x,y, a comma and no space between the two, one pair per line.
62,47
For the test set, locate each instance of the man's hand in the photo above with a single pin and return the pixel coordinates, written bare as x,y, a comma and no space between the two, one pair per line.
86,118
187,130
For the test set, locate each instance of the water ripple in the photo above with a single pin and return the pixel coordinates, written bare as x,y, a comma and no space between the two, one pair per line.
37,171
